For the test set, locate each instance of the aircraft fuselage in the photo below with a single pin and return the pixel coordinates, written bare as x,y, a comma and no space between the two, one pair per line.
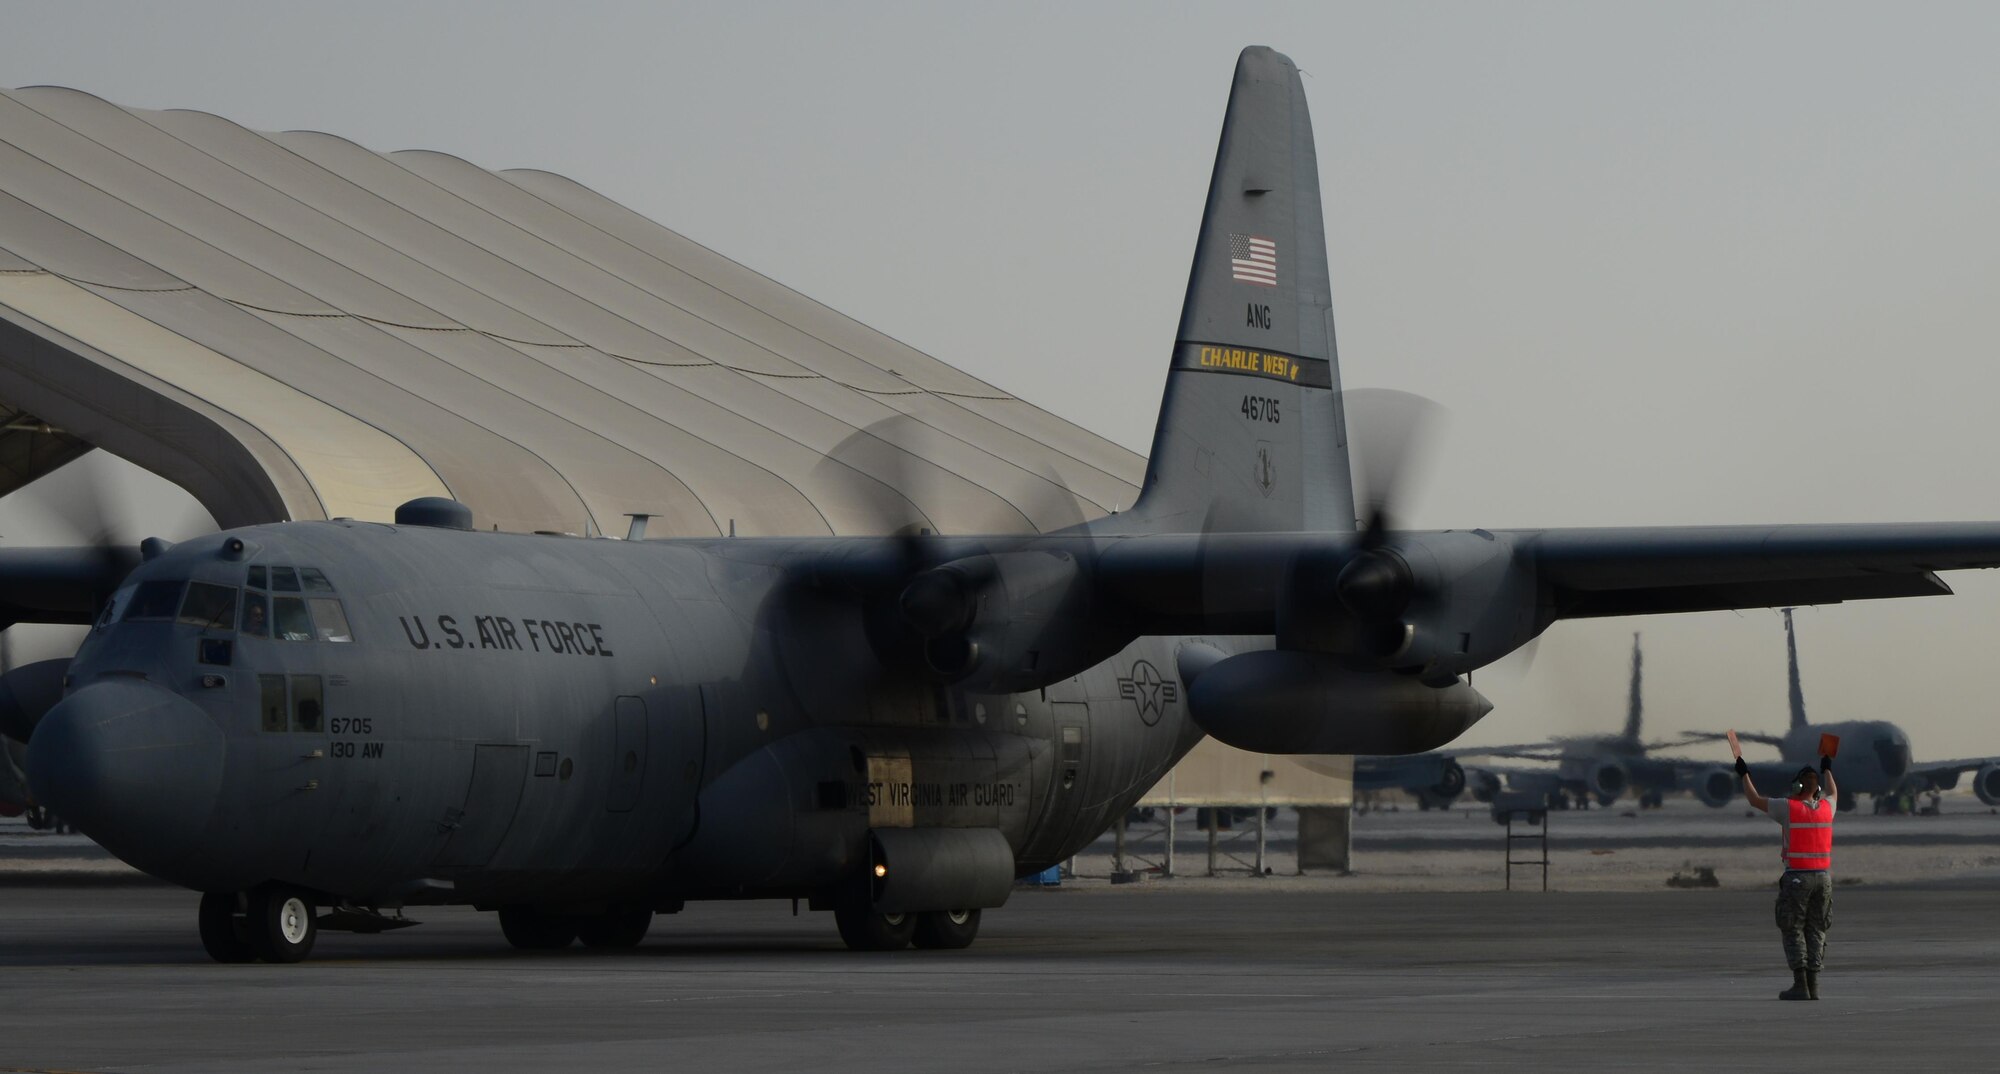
529,719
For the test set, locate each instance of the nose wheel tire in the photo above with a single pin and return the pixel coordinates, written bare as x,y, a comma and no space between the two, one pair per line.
946,930
225,932
530,929
864,930
282,923
615,930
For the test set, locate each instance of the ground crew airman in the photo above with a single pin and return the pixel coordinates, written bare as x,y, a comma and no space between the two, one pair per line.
1805,892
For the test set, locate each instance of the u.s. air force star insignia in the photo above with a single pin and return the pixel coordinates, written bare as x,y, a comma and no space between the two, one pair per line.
1150,690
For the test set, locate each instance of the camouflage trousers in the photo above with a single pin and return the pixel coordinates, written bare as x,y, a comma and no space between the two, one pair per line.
1805,912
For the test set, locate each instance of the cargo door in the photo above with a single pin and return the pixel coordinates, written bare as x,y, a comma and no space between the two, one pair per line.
628,755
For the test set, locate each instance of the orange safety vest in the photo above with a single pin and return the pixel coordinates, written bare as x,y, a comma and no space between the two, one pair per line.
1809,835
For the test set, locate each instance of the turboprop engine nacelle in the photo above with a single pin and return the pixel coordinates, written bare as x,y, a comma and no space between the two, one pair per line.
27,693
1434,605
1279,701
1004,622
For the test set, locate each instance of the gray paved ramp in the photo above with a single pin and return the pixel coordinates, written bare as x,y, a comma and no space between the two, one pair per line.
1167,977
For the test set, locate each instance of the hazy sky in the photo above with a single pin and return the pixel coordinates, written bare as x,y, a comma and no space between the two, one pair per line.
1692,263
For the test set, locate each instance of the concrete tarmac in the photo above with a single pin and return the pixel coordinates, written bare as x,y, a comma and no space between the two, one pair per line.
1167,976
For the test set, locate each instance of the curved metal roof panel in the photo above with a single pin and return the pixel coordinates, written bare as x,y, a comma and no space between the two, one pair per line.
355,328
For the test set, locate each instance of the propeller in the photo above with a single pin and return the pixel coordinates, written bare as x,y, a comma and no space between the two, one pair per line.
90,511
925,614
1389,434
100,501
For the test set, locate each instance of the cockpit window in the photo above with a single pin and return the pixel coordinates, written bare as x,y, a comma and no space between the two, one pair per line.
210,606
117,605
291,621
284,580
157,599
315,582
257,578
331,619
256,616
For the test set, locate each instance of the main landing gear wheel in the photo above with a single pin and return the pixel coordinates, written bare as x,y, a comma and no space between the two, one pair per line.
864,930
946,930
532,930
620,928
225,933
281,923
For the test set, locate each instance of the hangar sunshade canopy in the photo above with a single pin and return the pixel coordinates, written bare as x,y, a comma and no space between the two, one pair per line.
291,326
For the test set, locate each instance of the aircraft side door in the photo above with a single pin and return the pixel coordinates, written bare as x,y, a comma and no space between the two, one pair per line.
492,797
628,755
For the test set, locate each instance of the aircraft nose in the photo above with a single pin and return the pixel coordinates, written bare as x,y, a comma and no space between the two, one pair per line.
1894,752
134,766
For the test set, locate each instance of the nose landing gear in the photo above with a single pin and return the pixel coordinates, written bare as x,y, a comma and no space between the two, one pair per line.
270,922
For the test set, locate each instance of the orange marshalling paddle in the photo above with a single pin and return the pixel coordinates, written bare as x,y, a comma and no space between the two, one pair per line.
1736,747
1829,745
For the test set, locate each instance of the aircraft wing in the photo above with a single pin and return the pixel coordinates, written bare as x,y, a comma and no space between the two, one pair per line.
1539,752
1586,572
1600,572
1946,773
1691,737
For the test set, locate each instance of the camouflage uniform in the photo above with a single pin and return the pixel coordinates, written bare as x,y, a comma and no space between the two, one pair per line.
1805,912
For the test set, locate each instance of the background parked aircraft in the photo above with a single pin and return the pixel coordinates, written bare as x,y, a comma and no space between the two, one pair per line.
1585,767
1875,755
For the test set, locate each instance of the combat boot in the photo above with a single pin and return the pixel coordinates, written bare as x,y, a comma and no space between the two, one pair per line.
1812,984
1799,989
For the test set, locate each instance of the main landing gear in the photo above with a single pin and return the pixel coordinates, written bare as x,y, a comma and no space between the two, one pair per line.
864,930
618,928
271,923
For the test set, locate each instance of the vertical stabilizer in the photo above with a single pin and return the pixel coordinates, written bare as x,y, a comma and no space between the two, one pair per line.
1798,693
1634,708
1250,436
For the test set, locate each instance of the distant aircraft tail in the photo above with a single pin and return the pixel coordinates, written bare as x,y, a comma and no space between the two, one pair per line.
1797,692
1635,709
1251,436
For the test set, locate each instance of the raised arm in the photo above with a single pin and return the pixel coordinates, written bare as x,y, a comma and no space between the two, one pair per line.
1828,788
1757,801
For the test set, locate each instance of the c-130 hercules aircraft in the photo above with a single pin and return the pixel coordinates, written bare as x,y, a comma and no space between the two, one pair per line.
318,724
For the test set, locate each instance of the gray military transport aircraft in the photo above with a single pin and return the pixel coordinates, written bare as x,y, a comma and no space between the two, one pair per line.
1875,756
318,724
1603,767
1586,767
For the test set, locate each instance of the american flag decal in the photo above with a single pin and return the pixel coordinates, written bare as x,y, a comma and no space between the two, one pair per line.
1253,259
